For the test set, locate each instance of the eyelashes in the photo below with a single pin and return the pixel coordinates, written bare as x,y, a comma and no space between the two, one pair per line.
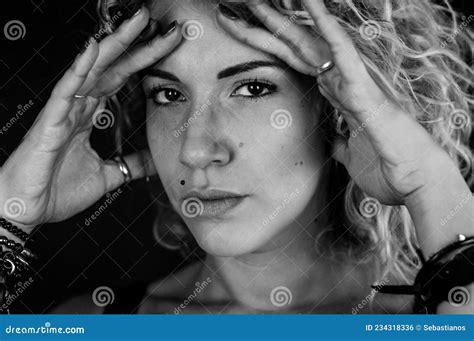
254,85
162,95
249,89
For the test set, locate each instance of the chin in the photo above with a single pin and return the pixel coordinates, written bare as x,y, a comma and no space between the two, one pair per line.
231,243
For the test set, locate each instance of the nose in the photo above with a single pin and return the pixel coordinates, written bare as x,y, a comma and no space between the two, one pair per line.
204,143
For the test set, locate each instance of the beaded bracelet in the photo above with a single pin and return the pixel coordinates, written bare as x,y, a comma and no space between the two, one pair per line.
22,235
15,261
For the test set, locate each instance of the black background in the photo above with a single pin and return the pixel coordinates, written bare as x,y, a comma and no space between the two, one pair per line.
118,248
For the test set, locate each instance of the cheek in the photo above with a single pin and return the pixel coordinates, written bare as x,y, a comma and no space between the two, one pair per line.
163,147
287,158
288,146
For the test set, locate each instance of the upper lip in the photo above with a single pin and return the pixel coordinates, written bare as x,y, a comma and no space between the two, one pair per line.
212,194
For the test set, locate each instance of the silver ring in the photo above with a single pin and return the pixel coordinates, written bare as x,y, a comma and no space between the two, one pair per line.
79,96
124,169
324,67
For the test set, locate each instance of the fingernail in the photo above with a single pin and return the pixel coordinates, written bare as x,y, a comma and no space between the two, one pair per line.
137,12
149,31
227,12
171,27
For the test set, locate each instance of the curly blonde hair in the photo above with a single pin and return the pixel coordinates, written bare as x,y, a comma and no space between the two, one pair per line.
419,52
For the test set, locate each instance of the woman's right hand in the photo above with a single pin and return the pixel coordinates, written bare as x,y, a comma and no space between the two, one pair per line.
54,173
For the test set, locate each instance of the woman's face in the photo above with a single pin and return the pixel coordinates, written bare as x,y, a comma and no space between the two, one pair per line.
224,116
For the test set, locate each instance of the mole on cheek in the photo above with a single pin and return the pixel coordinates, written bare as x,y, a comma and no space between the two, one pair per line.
241,144
182,182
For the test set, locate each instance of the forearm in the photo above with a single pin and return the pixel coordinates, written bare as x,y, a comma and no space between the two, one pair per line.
442,210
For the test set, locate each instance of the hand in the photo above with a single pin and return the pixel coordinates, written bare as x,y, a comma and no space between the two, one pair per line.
55,173
388,154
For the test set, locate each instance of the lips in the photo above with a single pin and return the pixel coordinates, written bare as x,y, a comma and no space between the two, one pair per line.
210,203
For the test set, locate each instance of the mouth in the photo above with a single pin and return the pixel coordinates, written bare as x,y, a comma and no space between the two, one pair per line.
210,203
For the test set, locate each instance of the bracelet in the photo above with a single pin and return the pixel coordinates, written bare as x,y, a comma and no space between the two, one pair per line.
15,262
441,278
22,235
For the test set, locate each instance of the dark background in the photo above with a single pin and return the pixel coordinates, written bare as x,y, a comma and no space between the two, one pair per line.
117,249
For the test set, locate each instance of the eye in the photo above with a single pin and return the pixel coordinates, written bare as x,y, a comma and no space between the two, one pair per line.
164,96
254,89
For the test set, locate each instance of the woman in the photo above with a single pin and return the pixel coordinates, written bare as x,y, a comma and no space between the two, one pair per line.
242,137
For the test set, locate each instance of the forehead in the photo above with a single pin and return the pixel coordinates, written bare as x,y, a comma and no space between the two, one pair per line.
204,39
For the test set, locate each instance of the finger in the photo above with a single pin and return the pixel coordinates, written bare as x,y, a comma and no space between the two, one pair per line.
311,49
62,96
114,45
345,54
148,164
263,40
138,59
140,165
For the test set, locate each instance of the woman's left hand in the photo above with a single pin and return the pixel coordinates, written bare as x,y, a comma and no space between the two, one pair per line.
389,154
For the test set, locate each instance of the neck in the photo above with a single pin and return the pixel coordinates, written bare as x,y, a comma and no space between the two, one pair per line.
284,276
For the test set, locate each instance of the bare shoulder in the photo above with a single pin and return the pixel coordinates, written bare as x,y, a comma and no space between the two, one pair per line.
81,304
162,296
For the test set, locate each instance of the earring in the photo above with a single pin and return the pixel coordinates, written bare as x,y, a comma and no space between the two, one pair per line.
341,125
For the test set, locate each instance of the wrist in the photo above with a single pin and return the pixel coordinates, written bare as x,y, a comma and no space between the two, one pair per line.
16,232
442,180
442,208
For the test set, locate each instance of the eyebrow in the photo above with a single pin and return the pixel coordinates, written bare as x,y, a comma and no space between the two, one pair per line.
162,74
245,67
228,72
